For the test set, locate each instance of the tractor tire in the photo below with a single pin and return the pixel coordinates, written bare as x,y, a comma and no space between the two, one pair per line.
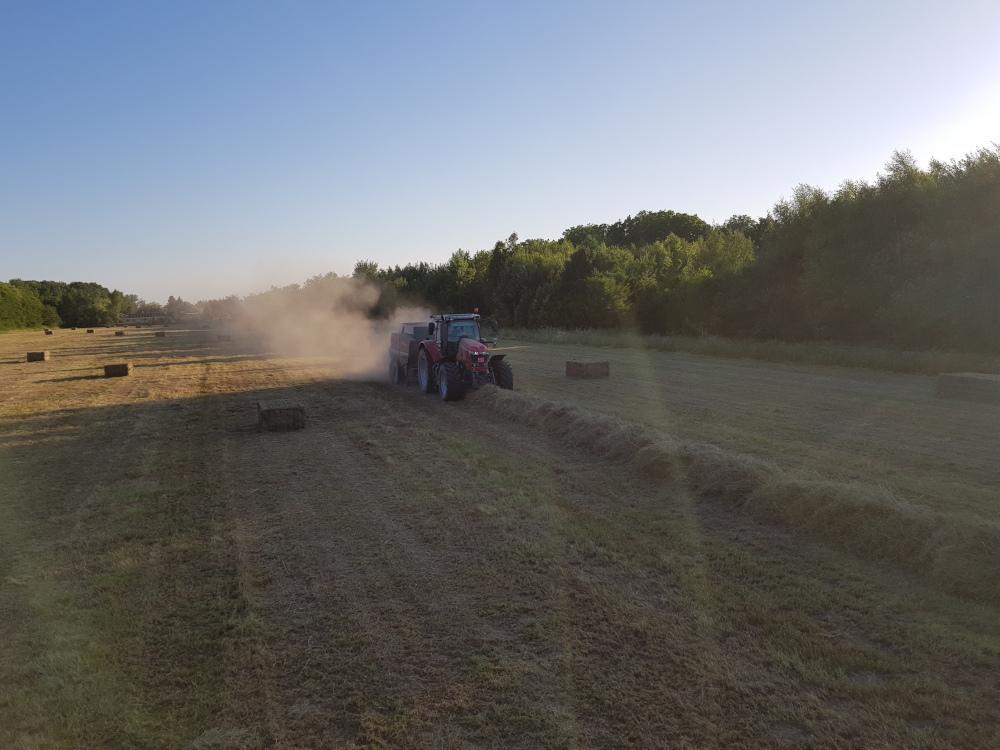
451,386
425,372
503,374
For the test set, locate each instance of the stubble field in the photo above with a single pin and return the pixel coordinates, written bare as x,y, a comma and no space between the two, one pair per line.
880,428
405,572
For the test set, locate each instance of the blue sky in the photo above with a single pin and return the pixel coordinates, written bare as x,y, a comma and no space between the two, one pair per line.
203,149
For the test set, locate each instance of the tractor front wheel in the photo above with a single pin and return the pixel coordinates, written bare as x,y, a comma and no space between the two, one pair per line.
503,374
425,375
451,386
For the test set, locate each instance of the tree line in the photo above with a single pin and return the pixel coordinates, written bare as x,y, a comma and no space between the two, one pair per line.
911,260
33,304
30,304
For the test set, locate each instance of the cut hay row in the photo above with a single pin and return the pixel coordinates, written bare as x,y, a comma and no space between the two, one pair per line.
958,556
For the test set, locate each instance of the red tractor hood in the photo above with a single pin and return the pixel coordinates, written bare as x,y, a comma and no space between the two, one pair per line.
468,346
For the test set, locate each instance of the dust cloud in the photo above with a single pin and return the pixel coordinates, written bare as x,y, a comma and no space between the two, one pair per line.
333,318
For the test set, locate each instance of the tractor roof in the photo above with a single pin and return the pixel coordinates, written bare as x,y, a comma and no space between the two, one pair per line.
455,316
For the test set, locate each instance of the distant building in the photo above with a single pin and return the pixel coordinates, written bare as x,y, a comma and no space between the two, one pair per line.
143,320
190,317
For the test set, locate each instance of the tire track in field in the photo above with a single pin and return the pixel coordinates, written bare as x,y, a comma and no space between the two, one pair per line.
387,565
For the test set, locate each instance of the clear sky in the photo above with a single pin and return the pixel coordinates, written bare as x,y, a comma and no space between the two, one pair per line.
207,148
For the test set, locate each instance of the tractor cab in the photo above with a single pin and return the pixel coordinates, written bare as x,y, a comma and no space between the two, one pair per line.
448,331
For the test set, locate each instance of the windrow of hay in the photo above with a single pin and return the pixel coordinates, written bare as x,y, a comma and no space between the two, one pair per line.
961,556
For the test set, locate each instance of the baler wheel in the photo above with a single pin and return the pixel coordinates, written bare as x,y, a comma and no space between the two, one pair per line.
425,372
397,375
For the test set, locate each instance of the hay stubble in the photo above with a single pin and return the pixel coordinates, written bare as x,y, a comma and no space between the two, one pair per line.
405,574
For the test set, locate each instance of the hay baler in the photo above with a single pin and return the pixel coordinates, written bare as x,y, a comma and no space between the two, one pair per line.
448,354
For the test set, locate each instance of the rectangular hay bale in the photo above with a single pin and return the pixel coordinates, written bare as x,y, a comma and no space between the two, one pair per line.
588,369
277,415
39,356
119,333
90,330
969,386
118,371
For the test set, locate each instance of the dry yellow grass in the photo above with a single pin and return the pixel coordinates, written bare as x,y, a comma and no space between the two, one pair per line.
404,572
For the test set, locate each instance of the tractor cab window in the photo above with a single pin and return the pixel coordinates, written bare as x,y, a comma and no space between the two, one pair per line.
459,328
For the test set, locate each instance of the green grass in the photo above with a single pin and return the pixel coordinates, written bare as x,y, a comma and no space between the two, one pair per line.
843,424
113,595
930,362
961,554
411,573
722,589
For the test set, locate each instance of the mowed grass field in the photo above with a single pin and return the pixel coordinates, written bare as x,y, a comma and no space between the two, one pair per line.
836,423
405,572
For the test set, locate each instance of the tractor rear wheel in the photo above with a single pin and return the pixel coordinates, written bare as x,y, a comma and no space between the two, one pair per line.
503,374
425,374
451,386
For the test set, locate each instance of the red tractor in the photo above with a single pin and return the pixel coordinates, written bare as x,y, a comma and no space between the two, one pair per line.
448,354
